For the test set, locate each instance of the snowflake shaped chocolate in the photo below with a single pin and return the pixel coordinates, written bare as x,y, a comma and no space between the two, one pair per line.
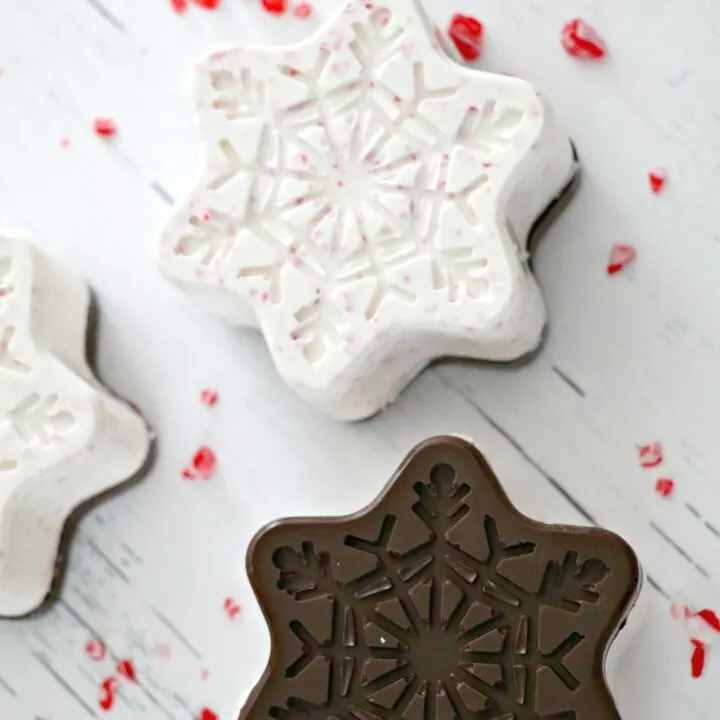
360,200
63,440
440,601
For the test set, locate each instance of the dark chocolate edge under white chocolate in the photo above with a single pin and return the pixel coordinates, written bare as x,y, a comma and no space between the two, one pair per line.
72,521
537,233
538,230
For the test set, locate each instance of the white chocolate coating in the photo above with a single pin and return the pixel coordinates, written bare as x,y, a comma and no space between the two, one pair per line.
63,438
361,201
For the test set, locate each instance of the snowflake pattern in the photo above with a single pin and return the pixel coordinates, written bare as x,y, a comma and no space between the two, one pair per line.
431,613
351,183
33,419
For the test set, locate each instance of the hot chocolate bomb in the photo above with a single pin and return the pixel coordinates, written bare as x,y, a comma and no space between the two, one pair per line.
439,601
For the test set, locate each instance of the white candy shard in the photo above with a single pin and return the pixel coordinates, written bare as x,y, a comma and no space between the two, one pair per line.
63,438
362,200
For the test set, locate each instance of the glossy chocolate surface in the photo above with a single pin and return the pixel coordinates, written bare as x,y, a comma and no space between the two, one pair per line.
439,601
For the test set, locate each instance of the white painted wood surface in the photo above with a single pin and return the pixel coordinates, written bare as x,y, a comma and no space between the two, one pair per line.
640,350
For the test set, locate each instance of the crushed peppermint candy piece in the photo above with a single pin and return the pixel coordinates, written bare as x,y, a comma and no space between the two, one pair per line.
108,693
232,608
209,397
126,669
204,463
664,487
179,6
96,649
657,179
651,455
208,714
303,10
105,127
275,7
581,40
466,33
710,617
208,4
620,257
697,660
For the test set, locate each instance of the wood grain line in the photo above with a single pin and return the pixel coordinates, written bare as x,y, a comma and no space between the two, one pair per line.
4,684
177,633
162,192
81,621
683,553
550,479
113,566
570,383
63,683
104,12
521,450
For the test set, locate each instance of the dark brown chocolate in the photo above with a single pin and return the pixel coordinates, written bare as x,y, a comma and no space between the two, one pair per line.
439,601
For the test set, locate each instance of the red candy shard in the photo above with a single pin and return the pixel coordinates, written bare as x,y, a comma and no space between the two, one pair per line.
302,10
208,714
107,693
179,6
697,661
466,33
582,40
126,669
651,455
204,463
620,257
95,649
276,7
232,608
105,127
710,617
209,397
657,179
208,4
664,487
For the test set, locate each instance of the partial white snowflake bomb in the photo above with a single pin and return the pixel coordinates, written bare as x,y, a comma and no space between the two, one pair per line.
366,202
63,439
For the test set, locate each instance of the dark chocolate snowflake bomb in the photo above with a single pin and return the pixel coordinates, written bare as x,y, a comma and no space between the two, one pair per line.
439,602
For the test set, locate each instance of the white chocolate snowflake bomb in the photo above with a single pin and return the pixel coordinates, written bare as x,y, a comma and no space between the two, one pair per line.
63,438
365,201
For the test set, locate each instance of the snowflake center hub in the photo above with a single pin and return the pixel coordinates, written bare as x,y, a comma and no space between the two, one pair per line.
351,182
435,654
